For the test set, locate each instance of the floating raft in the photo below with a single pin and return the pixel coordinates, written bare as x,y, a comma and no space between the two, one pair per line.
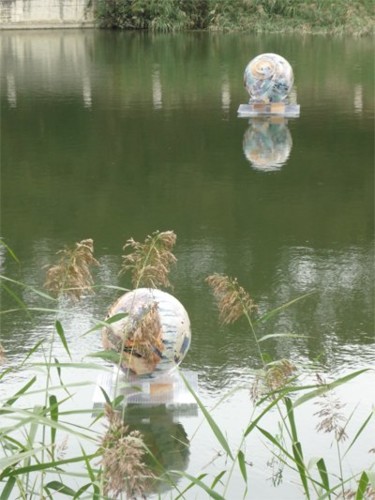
169,390
267,109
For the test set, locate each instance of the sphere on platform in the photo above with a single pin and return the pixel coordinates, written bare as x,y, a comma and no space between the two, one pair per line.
154,335
268,78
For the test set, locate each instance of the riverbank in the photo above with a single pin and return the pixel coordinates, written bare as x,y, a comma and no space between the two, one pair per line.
287,16
336,17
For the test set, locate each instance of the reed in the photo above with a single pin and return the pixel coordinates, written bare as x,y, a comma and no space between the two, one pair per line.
114,460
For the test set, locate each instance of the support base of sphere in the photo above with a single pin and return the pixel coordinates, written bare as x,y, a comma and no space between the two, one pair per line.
267,109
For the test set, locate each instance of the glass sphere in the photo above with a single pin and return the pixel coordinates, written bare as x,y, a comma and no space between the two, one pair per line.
268,78
154,335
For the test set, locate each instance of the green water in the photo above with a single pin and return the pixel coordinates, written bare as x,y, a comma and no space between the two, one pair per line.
115,135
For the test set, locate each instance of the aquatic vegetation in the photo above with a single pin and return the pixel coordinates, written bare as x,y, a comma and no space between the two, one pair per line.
150,262
36,459
72,274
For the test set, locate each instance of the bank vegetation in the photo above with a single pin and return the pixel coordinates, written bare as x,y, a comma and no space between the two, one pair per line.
338,17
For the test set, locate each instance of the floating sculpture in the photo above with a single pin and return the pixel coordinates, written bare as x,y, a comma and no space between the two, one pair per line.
154,334
269,80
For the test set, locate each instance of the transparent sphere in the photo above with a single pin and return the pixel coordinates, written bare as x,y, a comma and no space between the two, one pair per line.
268,78
154,334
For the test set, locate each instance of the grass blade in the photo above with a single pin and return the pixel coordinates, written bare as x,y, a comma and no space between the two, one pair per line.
215,428
298,459
218,479
242,464
54,412
327,387
19,393
362,485
198,482
323,475
361,429
275,311
60,331
60,488
5,494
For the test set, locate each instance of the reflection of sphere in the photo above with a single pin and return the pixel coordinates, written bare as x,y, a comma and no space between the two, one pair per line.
267,145
154,335
268,78
166,439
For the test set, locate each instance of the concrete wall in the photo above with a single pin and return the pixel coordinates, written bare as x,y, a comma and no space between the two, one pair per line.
26,14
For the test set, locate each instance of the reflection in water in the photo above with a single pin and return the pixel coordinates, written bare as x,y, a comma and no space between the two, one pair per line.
86,91
358,99
157,96
267,143
225,93
166,439
11,91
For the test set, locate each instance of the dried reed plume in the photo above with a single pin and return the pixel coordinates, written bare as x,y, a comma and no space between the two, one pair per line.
146,339
149,262
233,301
274,376
278,374
122,458
71,275
331,414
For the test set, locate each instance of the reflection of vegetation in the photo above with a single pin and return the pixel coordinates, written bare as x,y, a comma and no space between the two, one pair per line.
354,17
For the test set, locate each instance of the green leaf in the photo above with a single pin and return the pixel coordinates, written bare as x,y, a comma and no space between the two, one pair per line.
81,490
362,485
264,412
298,458
54,464
112,356
275,442
61,488
16,298
106,397
290,414
19,393
323,474
214,427
359,432
275,311
61,333
322,389
218,478
54,412
242,464
5,494
10,251
100,323
197,481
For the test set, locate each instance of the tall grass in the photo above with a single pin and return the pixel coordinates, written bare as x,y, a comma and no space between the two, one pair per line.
114,460
336,17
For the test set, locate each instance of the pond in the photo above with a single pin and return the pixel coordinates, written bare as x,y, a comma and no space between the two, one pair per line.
111,135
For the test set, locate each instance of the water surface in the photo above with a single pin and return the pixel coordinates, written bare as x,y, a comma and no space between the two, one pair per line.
114,135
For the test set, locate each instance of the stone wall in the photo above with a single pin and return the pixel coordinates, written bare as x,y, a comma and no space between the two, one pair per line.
26,14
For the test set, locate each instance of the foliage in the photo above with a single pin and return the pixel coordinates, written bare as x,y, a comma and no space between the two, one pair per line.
338,16
35,461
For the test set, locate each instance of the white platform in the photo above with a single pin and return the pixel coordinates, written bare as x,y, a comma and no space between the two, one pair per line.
261,109
168,390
